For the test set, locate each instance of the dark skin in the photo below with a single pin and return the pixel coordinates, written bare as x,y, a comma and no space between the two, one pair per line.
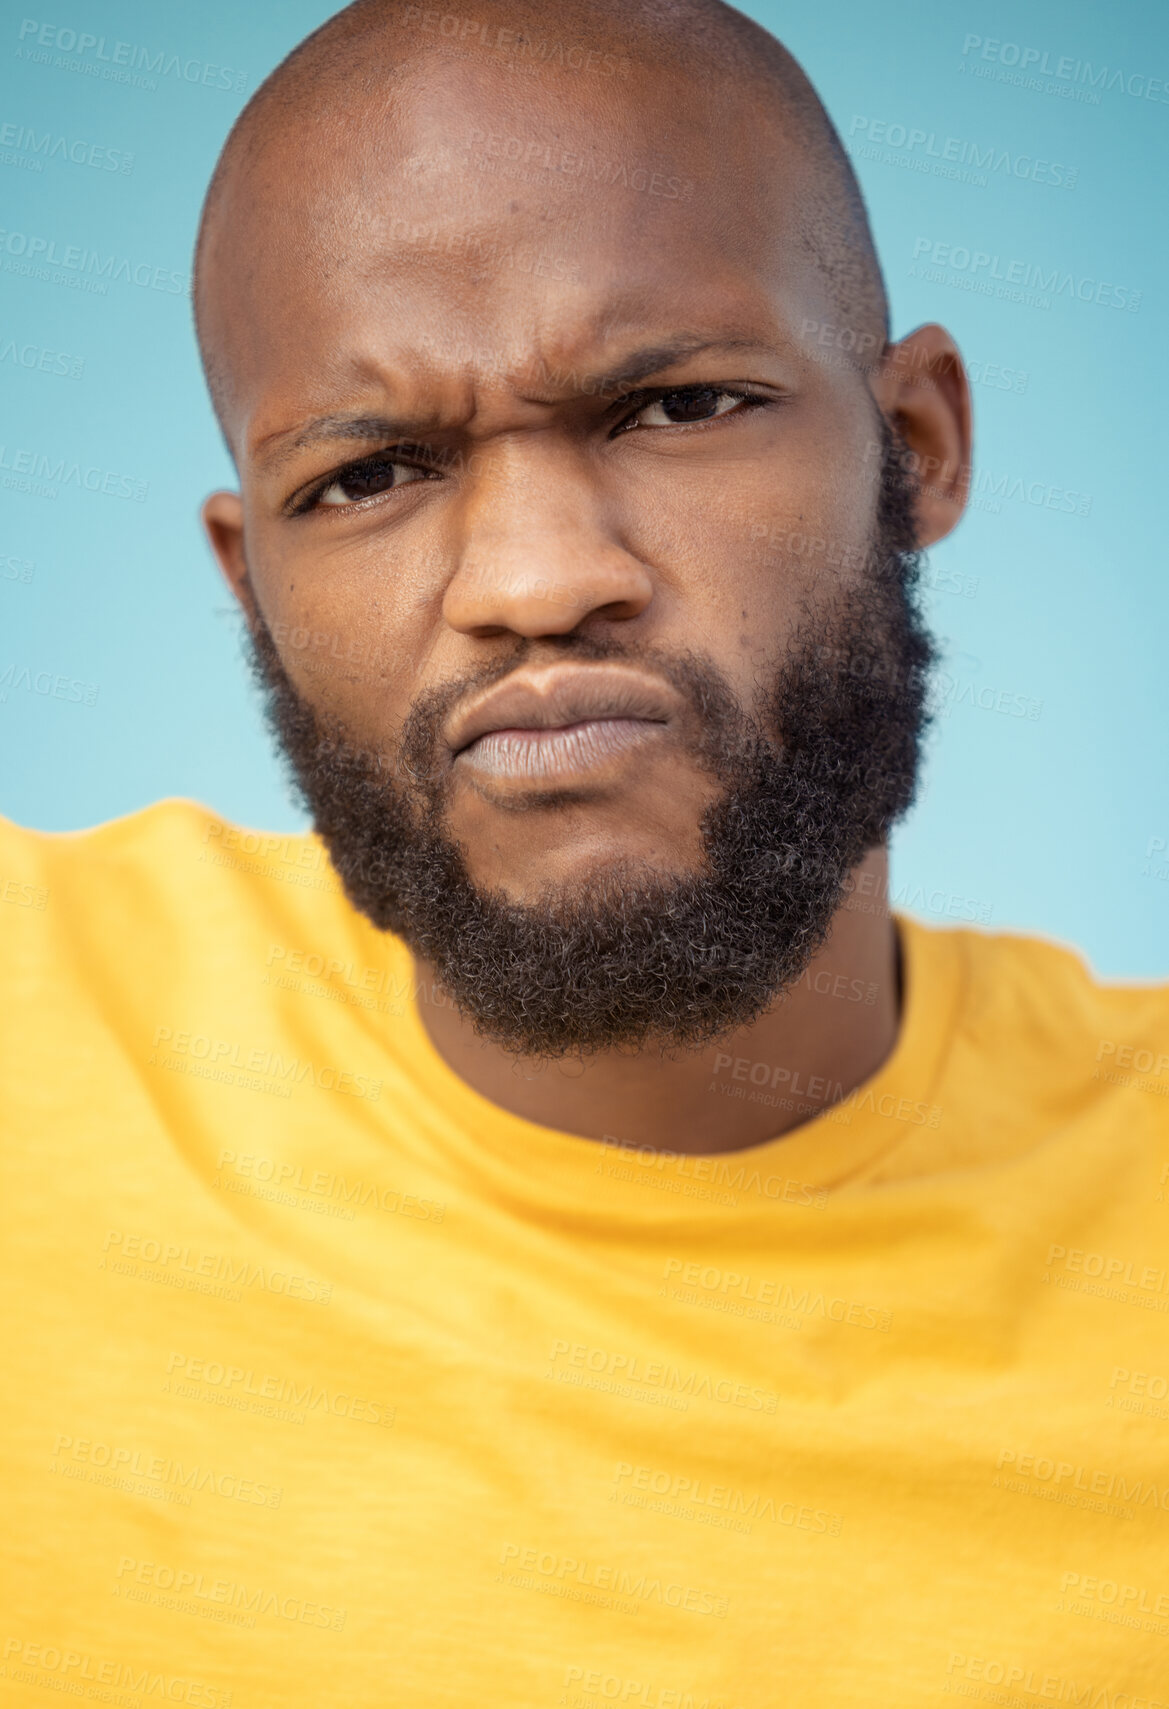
531,499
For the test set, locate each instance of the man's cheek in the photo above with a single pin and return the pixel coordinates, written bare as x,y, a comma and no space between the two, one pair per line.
341,677
801,559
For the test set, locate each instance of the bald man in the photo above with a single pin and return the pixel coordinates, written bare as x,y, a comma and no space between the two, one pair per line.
554,1236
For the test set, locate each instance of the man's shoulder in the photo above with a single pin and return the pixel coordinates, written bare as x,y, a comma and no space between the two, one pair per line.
127,830
175,824
175,856
1040,999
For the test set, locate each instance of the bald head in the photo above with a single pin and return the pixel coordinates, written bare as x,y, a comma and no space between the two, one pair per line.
382,101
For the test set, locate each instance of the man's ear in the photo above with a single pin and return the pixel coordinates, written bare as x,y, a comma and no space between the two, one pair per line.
223,518
922,388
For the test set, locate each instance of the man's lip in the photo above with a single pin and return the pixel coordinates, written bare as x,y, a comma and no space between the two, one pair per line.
550,697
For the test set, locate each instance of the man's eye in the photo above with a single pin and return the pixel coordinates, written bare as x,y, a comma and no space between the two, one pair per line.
675,409
372,475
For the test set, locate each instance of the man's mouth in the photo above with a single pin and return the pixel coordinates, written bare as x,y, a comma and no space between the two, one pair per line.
541,754
559,719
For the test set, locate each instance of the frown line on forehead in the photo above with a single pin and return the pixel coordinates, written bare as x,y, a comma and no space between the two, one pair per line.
611,380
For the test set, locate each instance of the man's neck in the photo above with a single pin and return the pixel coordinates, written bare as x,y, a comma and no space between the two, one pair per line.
832,1030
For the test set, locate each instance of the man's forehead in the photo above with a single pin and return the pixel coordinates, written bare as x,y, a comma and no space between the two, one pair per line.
492,233
467,177
449,136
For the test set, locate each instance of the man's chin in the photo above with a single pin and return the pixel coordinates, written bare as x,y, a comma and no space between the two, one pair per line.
625,959
553,867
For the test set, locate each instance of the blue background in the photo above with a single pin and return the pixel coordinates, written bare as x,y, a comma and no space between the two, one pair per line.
1056,822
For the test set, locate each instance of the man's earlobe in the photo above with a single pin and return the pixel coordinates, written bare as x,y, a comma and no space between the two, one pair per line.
922,389
223,519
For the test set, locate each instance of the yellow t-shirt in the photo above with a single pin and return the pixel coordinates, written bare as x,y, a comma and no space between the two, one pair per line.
329,1383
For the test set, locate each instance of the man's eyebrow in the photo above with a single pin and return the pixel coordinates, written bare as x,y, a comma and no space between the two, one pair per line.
277,449
654,359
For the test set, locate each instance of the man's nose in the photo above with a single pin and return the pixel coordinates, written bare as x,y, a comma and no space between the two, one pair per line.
539,548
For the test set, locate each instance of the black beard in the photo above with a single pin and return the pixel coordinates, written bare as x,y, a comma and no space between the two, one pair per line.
633,958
